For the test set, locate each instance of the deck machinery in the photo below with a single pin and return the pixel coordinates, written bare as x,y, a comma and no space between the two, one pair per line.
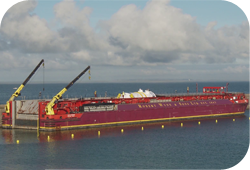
63,114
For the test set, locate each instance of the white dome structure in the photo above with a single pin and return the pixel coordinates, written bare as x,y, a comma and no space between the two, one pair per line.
139,94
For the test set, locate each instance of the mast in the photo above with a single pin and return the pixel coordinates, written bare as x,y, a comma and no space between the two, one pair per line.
18,91
49,108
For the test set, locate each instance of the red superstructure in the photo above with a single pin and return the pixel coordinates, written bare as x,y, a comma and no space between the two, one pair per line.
111,111
213,90
95,112
129,108
216,90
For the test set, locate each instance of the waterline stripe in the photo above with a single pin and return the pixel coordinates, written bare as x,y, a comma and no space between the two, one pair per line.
147,120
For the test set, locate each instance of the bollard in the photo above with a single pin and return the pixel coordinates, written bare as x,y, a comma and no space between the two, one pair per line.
233,119
99,133
72,136
122,130
199,123
181,124
17,141
142,128
162,126
48,137
216,120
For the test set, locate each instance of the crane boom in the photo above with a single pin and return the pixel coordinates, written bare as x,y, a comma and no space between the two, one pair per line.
49,108
18,91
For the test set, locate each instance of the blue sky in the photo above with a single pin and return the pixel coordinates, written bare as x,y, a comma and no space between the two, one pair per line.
205,11
225,13
126,40
101,9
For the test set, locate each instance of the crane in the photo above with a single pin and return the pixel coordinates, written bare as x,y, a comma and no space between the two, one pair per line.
18,91
49,108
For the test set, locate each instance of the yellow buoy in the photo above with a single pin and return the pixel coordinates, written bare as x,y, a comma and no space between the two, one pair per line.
216,120
162,126
72,136
17,141
233,119
142,128
199,123
122,130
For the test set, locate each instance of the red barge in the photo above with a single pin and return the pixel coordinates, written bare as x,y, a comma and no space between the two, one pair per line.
131,108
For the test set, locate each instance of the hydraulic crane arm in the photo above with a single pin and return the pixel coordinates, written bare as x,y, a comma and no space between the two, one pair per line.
18,91
49,108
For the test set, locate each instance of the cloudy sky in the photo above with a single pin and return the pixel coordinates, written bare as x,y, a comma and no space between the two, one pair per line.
125,41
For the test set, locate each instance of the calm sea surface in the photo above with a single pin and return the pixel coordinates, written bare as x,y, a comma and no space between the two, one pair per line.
209,145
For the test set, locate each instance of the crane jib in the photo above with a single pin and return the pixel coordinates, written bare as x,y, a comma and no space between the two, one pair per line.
18,91
33,72
72,82
49,108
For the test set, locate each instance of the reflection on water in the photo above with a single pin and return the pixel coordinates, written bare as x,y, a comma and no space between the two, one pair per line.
33,136
209,145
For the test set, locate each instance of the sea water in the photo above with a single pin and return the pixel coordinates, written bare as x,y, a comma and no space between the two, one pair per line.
208,145
81,90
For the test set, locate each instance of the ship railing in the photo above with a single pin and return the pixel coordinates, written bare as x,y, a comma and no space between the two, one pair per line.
47,97
184,94
98,98
195,94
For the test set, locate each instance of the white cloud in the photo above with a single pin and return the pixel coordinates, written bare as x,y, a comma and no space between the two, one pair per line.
27,32
157,35
81,55
236,69
158,27
71,16
159,32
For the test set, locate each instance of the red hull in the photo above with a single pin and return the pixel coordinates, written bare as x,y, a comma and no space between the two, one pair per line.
145,112
96,112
